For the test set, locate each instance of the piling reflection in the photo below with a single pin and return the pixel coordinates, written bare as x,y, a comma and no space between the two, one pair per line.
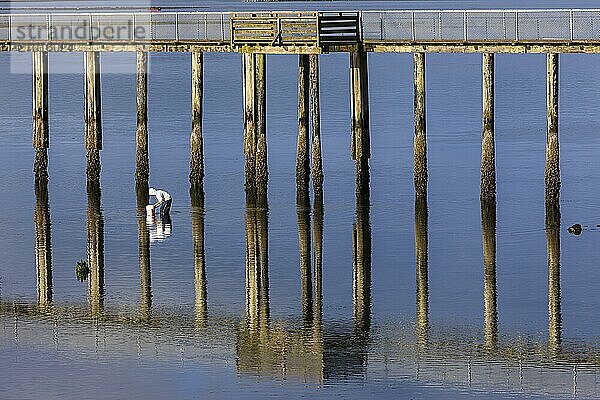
361,254
553,249
303,211
43,247
197,214
488,232
254,350
421,243
95,247
144,249
267,348
318,262
257,266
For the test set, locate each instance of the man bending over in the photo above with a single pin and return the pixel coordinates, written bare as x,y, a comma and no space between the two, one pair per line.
163,200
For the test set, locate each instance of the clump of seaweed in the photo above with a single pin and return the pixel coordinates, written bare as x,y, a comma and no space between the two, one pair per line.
81,270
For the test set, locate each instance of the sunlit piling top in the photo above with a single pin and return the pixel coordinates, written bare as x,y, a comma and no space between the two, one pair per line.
514,31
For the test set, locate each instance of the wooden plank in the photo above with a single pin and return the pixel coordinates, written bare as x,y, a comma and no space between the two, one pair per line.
338,30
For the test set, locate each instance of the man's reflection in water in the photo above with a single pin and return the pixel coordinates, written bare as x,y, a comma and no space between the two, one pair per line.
159,226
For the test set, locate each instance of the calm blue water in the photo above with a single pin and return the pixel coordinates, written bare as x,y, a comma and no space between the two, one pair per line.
66,353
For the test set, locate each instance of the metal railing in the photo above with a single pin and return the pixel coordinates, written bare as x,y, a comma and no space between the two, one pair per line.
482,25
400,26
116,27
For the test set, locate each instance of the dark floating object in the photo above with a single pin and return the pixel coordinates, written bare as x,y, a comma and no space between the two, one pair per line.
575,229
81,270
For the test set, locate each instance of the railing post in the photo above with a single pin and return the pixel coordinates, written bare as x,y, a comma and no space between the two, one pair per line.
50,36
440,24
91,32
516,25
9,27
133,38
318,30
414,36
222,27
177,27
571,23
380,25
47,26
466,30
504,24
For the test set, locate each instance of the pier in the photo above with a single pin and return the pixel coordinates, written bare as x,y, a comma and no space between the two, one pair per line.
278,346
309,36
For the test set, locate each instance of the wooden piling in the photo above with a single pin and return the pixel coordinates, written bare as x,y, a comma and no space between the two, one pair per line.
249,80
93,114
361,140
40,114
255,127
315,113
142,168
488,232
196,139
303,149
488,158
420,139
43,246
262,171
422,274
552,146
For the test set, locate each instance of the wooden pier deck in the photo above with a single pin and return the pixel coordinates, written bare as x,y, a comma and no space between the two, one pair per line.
476,31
